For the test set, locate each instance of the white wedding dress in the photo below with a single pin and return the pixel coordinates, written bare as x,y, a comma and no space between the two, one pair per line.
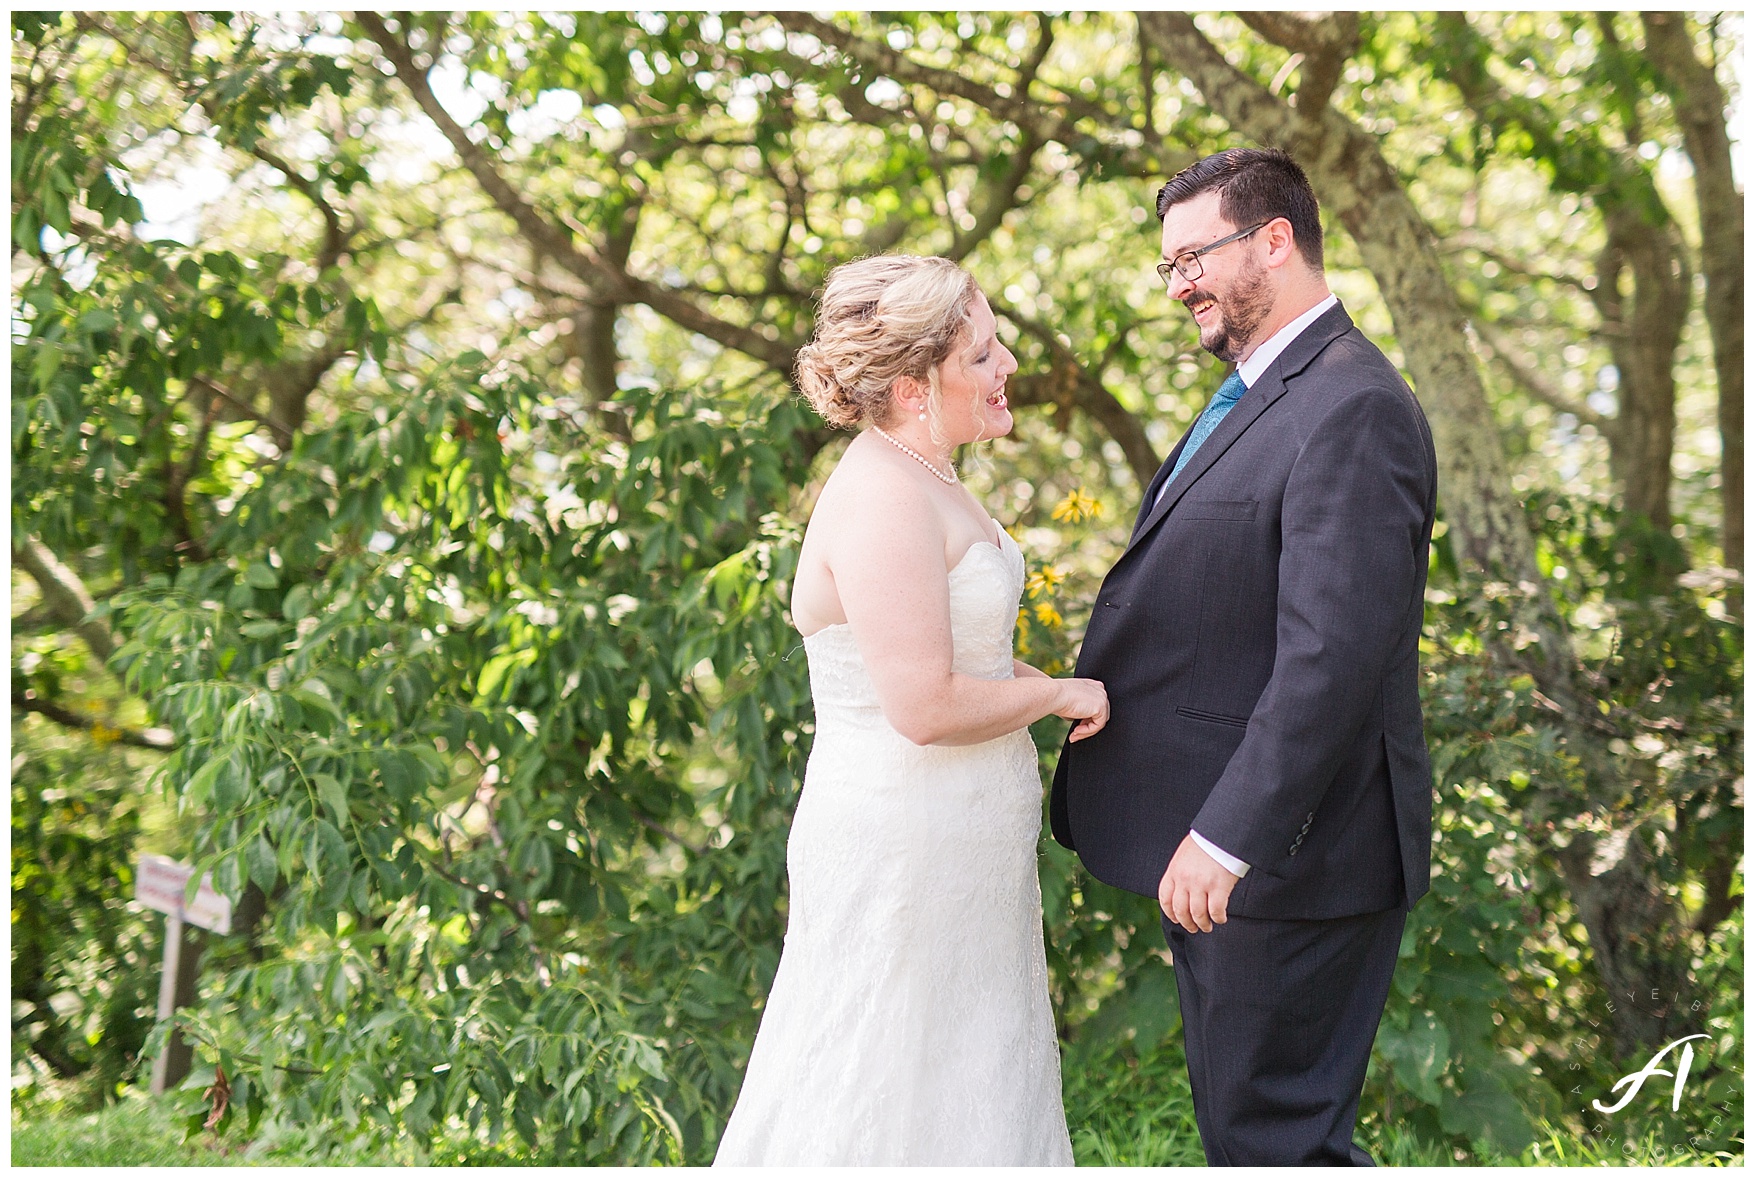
909,1021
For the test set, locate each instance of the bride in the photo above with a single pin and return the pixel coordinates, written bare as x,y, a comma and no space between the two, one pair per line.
909,1020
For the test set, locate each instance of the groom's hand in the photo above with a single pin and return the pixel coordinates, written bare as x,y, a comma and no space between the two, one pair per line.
1195,889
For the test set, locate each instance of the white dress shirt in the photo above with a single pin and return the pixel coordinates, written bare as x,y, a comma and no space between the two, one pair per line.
1250,371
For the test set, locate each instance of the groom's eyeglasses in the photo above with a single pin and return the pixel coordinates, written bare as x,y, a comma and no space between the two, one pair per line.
1188,264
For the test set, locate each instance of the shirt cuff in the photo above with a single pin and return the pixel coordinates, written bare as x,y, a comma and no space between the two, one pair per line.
1228,861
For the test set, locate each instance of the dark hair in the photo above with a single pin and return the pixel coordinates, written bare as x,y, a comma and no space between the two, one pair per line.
1254,184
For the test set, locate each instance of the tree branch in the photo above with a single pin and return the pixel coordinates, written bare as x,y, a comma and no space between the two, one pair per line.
1247,104
1043,122
482,892
999,196
1484,245
1038,53
177,481
659,828
1524,371
1148,87
1325,42
64,594
552,239
335,236
1699,103
159,739
282,434
566,245
1069,384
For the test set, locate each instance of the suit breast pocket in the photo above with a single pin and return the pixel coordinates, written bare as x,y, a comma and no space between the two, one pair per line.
1239,511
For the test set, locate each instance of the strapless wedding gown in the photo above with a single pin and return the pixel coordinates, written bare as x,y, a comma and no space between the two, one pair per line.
909,1021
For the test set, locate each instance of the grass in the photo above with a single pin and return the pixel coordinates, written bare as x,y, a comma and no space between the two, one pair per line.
139,1130
1125,1113
132,1132
1122,1111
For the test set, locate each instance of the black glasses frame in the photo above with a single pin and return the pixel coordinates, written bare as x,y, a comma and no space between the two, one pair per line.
1188,264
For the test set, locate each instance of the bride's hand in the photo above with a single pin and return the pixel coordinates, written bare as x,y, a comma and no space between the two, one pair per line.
1086,701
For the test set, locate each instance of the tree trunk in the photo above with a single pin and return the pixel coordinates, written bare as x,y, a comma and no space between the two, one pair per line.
594,325
1644,324
1700,110
1638,944
1629,918
1645,328
1356,184
291,383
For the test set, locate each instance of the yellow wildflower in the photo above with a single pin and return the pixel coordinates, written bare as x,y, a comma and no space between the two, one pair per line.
1044,581
1078,506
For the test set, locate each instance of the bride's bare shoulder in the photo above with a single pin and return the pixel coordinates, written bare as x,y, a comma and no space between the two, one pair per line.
871,499
870,475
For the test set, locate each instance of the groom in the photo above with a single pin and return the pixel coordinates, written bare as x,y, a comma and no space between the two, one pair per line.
1264,771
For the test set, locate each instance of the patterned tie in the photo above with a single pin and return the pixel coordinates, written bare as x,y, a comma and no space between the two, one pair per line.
1209,420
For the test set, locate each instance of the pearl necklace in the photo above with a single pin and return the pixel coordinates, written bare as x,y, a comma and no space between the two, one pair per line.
949,480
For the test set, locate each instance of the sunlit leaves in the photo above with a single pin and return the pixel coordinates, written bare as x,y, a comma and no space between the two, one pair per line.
494,715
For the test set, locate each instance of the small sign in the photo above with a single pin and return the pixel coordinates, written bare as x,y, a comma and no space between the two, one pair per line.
159,884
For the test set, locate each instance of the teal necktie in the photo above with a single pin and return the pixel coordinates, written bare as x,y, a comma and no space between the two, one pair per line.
1209,420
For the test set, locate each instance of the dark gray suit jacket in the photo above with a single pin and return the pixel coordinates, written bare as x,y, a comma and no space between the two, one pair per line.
1260,643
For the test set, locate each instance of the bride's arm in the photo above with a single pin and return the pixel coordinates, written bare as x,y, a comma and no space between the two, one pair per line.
888,564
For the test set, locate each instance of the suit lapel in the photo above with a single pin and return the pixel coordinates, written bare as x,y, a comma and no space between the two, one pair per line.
1328,327
1255,402
1151,495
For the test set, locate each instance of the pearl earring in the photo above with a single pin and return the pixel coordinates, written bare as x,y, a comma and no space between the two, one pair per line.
923,415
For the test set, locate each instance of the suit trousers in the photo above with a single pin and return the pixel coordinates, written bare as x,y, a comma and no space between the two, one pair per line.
1278,1020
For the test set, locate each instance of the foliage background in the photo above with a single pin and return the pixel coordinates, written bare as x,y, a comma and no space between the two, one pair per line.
406,484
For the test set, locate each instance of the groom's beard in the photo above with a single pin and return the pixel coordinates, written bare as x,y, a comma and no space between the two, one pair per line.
1241,311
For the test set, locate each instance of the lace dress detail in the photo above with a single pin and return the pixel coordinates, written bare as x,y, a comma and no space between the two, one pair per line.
909,1021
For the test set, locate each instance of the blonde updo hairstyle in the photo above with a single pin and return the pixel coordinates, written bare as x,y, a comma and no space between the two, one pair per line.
880,319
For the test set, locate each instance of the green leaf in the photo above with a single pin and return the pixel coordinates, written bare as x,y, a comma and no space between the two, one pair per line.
199,788
232,783
1152,1004
259,858
314,696
297,603
333,855
494,673
1417,1055
331,793
401,773
45,364
1486,1110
